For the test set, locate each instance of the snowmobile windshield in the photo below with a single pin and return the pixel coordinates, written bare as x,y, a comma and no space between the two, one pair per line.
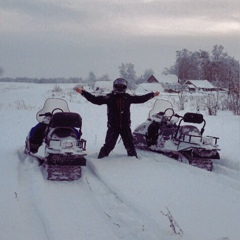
52,105
160,108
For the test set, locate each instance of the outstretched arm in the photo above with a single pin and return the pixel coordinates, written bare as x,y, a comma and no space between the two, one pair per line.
98,100
143,98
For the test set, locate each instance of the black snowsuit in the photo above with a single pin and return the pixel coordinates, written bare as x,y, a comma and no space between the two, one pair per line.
119,120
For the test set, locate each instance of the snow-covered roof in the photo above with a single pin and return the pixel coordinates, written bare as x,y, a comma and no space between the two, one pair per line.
148,87
200,83
152,79
169,78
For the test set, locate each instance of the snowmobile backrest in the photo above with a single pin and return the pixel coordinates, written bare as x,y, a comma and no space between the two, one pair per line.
193,117
66,119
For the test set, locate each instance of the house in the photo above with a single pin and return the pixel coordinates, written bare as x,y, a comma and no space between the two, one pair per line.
168,78
144,88
152,79
163,78
172,87
199,85
168,82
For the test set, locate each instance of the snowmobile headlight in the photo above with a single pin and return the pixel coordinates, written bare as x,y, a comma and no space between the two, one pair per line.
54,143
68,144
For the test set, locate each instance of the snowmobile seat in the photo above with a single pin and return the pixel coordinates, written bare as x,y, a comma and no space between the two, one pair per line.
66,119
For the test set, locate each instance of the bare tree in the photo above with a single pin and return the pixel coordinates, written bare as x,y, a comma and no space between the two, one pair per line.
127,72
91,79
145,76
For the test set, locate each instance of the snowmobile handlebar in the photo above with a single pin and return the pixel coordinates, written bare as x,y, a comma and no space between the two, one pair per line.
176,115
47,114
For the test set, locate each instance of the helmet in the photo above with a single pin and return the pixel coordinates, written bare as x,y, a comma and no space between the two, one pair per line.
120,85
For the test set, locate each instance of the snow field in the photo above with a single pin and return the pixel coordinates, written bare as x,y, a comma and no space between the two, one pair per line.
118,197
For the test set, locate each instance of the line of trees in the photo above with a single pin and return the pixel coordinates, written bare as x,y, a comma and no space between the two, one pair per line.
217,67
126,71
42,80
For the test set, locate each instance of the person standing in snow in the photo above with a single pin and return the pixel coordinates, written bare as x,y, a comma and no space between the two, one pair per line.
118,109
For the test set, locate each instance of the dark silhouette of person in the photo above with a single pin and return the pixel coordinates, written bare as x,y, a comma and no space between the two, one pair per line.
118,111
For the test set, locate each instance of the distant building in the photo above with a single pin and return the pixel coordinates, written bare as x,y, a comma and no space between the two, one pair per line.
149,87
169,83
163,78
162,83
172,87
152,79
199,85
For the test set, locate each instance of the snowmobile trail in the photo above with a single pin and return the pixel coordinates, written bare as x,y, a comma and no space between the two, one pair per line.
92,199
44,200
222,172
99,198
35,224
126,221
231,175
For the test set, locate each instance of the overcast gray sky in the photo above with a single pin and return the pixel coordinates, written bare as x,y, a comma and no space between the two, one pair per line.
70,38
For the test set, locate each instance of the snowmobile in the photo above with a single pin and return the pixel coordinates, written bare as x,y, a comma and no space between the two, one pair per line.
178,137
64,148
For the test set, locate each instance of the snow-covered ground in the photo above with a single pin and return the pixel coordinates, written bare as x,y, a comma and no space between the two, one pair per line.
118,197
